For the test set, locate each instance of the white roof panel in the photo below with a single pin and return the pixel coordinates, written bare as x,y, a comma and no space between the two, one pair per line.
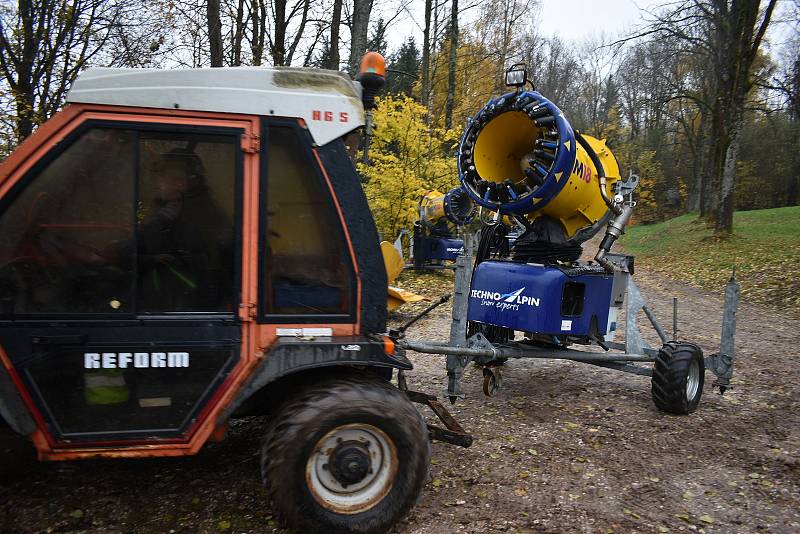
328,101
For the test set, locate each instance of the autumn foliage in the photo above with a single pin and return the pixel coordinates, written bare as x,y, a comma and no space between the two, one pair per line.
407,158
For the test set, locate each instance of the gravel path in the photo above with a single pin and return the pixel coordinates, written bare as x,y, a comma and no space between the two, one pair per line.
563,447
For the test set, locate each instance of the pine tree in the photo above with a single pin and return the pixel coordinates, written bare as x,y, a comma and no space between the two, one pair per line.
404,68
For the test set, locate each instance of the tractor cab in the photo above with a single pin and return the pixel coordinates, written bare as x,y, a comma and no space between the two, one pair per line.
179,247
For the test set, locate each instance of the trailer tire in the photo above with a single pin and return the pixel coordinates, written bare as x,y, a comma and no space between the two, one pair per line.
678,377
349,454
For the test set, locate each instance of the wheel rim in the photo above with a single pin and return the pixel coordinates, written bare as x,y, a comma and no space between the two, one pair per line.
692,381
352,468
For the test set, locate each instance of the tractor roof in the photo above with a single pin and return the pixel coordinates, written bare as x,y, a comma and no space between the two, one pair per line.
328,101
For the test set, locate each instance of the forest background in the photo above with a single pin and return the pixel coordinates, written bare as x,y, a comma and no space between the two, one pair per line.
701,98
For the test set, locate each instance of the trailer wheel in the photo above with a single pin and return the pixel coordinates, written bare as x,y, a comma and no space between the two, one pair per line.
678,377
349,454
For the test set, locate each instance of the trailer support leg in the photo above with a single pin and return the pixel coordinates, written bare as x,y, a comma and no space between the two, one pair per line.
721,363
458,327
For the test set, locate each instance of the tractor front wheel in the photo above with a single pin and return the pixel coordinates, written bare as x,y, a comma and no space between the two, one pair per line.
349,454
678,377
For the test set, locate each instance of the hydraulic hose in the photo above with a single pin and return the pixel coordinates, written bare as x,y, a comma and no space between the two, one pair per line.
601,173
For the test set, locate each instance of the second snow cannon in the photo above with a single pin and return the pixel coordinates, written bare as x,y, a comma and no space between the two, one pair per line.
435,237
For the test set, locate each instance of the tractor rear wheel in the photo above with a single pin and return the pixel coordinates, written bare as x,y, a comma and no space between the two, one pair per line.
678,377
349,454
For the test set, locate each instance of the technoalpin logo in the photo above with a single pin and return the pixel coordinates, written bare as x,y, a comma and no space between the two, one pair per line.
509,301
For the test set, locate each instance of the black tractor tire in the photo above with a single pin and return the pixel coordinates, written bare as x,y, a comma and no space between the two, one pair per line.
678,377
334,432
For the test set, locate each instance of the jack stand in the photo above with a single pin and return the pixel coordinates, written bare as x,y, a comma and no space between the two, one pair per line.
458,327
721,363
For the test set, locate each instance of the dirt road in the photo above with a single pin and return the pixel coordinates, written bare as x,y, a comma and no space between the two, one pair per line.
561,448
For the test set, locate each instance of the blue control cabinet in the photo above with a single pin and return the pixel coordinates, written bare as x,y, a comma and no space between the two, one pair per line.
540,299
439,248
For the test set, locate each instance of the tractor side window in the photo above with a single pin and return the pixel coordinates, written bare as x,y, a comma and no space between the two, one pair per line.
305,253
185,222
124,221
65,240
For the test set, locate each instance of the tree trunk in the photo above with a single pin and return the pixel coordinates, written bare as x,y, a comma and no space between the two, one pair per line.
258,21
738,40
426,56
214,32
358,32
278,45
723,225
697,147
336,22
238,35
451,67
22,87
706,155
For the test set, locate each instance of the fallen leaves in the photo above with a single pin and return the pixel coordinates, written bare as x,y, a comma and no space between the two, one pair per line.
767,265
705,518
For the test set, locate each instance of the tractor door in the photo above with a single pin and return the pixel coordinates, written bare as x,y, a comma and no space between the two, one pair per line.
120,278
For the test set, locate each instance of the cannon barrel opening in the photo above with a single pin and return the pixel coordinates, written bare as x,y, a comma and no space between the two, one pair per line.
519,155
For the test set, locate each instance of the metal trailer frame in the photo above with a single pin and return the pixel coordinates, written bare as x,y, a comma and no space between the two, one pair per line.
624,357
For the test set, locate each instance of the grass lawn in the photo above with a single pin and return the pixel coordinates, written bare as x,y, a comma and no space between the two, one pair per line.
765,248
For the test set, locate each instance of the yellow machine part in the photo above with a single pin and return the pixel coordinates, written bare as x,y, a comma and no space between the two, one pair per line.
398,297
502,145
394,266
392,260
432,206
579,204
501,152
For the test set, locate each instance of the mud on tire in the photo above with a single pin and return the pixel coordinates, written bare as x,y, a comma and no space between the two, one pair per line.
348,454
678,377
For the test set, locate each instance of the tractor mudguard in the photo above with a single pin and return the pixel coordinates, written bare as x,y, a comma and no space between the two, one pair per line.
12,409
292,355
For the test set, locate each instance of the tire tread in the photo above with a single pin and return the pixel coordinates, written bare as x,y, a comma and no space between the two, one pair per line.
668,384
369,396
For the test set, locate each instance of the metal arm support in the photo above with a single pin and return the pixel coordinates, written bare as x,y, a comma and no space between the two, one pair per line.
457,362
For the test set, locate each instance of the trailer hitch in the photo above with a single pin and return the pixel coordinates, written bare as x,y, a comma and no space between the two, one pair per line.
453,433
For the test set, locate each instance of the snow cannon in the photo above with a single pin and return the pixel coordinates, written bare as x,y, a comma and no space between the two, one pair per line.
519,156
434,240
455,205
552,189
528,293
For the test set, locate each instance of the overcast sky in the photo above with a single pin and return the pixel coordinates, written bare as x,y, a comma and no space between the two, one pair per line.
569,19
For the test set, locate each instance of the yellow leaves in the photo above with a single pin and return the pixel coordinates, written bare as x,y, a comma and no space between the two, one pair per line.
407,158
